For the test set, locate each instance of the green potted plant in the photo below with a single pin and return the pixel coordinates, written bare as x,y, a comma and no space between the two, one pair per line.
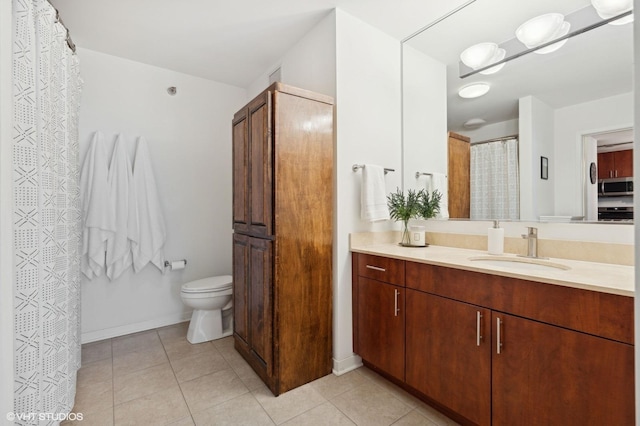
416,204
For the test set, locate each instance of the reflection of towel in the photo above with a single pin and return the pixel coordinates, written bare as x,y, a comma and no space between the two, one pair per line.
439,182
374,199
123,200
97,218
152,229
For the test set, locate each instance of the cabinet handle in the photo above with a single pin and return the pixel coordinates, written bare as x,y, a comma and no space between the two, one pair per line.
396,309
375,268
616,174
499,343
478,324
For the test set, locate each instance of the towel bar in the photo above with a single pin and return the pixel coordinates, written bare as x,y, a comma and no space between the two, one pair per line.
355,168
418,174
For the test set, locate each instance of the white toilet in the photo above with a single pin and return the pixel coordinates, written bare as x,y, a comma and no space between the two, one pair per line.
212,305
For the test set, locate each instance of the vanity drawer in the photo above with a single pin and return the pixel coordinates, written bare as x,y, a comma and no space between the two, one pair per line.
381,269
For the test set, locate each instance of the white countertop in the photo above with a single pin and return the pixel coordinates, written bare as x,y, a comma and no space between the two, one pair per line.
602,277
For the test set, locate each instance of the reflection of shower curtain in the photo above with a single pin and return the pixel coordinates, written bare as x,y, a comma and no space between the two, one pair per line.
45,214
495,181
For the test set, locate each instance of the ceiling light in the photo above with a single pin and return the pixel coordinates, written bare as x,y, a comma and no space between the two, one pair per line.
474,123
609,8
482,54
540,30
474,90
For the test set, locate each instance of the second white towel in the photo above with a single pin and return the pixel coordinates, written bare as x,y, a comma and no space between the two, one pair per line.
374,197
439,182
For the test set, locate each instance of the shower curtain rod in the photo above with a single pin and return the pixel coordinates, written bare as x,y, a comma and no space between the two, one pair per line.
70,42
504,138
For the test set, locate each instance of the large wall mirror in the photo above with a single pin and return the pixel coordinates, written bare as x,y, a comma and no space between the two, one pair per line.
548,115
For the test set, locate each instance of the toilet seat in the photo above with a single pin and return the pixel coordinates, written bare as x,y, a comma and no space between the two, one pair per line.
209,284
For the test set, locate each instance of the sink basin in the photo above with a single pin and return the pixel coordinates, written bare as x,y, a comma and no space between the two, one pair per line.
520,263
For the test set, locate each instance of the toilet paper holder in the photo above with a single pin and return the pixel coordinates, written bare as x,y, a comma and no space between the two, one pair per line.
171,264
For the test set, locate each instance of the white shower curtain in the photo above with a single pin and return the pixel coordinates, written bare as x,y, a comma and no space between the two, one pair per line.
46,215
495,183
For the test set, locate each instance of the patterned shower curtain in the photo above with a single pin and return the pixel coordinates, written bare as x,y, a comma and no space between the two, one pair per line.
495,182
46,215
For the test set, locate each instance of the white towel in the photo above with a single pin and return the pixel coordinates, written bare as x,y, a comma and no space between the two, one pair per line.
97,218
374,198
439,182
123,202
152,228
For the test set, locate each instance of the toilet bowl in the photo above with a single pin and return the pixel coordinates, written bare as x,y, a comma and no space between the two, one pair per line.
210,299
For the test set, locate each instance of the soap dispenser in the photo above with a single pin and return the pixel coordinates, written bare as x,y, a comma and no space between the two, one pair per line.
495,239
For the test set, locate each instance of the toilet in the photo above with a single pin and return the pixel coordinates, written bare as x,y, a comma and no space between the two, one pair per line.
211,300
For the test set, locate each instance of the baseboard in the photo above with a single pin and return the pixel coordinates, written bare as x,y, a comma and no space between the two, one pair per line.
345,365
107,333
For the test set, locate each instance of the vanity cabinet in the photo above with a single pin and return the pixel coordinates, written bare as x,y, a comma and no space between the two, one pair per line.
615,164
495,350
449,353
379,309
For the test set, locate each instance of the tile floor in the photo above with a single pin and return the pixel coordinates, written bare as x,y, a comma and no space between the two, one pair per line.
157,377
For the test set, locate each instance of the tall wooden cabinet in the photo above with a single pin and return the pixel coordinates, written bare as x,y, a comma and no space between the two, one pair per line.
282,244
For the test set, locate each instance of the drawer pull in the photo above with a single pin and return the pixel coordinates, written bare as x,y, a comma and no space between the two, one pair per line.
499,343
376,268
396,309
478,328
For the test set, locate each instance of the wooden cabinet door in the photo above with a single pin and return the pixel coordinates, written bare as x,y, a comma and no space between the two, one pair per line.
605,165
448,354
459,175
623,163
252,298
241,201
547,375
261,166
381,325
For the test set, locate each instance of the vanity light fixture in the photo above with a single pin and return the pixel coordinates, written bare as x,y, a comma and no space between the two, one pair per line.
474,90
482,54
609,8
543,29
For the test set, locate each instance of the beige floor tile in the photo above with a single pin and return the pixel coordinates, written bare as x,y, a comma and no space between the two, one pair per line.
249,377
414,418
94,397
194,366
332,385
370,405
322,415
187,421
160,408
393,389
93,418
142,383
243,410
225,342
96,351
232,356
172,331
94,372
139,360
434,415
179,347
212,389
289,404
145,340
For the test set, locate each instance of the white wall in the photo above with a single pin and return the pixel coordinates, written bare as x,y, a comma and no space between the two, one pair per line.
189,137
571,123
368,131
636,172
536,140
424,82
6,212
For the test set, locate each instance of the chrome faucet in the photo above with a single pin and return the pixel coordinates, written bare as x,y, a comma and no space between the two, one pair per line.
532,239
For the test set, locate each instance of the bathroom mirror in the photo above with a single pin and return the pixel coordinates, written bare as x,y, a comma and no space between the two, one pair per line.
551,101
